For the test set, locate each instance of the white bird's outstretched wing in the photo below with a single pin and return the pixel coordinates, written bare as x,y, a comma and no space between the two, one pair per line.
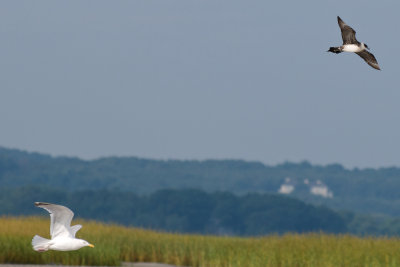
61,217
75,229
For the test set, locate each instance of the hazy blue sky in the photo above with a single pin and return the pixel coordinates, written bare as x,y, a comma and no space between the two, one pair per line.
200,79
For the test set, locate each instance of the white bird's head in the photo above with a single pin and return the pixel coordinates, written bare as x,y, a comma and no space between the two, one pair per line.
84,243
365,45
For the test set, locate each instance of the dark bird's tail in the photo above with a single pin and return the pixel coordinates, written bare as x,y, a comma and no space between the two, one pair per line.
335,50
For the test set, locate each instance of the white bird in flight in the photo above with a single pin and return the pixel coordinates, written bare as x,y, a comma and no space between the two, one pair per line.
61,231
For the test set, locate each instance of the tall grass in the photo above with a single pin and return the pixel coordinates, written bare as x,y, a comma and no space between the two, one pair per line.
114,244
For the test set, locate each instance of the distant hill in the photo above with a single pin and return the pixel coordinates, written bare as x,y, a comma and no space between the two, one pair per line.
195,211
361,190
187,211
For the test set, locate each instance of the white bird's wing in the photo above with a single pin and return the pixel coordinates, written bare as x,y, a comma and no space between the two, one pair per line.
75,229
61,217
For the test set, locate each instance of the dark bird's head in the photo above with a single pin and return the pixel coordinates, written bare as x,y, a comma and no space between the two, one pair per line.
366,46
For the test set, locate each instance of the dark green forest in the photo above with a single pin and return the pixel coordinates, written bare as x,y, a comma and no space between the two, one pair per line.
373,191
195,211
187,211
212,196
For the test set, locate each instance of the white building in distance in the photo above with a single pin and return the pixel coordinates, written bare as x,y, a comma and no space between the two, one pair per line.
321,189
286,188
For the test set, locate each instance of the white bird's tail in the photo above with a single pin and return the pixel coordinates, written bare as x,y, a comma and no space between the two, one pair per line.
40,244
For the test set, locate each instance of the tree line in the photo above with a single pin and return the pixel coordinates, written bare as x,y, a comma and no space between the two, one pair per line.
368,191
185,211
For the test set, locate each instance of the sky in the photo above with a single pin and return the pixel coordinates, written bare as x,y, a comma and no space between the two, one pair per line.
205,79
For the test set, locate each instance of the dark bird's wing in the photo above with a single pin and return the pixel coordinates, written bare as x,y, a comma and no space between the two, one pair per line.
348,34
369,58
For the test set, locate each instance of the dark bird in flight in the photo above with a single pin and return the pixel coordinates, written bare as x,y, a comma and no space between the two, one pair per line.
350,44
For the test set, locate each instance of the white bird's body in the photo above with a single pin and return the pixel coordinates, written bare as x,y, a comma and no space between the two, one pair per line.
61,231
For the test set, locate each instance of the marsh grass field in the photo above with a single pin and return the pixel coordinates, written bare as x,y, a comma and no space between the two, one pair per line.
116,244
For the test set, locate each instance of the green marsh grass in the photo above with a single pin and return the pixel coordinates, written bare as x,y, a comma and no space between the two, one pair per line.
115,244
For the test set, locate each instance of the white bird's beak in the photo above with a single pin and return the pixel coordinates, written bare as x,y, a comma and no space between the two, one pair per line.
90,245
